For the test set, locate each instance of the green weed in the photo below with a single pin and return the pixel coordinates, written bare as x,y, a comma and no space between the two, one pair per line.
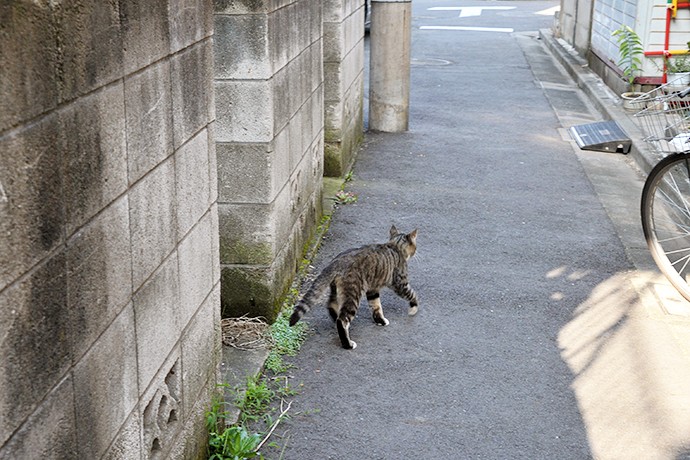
343,197
228,443
256,399
234,443
216,415
287,341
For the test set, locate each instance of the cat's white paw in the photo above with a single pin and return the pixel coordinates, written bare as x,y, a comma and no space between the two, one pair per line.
384,323
412,311
354,345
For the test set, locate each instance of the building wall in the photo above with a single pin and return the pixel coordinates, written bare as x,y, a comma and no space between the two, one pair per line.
109,278
343,28
608,16
588,24
653,26
269,141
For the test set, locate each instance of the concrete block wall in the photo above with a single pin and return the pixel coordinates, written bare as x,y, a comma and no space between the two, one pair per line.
575,23
343,50
269,142
109,274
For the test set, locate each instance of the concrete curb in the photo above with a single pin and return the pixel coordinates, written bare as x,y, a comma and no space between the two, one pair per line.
236,366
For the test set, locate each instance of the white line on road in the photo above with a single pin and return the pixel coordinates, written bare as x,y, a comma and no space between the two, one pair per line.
467,11
549,11
479,29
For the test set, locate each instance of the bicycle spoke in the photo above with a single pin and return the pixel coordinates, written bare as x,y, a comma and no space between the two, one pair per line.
684,210
677,189
666,219
677,251
673,238
672,226
686,259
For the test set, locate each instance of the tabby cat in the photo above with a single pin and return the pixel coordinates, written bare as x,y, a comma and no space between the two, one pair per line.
363,270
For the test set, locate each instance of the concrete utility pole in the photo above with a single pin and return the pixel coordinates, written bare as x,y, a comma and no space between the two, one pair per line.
389,85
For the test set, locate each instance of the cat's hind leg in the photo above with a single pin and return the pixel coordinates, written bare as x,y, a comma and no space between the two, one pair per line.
347,313
333,308
374,300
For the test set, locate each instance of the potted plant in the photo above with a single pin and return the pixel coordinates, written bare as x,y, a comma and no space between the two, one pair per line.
678,71
630,50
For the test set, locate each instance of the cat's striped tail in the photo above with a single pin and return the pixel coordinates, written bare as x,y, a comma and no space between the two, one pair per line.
315,291
300,309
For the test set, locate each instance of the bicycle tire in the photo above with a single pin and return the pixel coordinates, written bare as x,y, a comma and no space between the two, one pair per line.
665,211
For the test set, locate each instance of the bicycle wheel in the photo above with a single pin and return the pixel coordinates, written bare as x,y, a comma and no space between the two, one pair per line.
666,218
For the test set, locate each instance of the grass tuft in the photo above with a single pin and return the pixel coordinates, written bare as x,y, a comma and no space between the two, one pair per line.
256,399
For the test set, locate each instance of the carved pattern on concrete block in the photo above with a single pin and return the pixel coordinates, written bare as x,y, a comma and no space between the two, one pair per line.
162,413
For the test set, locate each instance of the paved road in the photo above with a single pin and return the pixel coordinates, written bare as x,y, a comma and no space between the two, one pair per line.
525,345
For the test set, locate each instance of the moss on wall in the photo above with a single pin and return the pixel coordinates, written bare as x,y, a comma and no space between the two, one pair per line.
240,252
339,155
261,290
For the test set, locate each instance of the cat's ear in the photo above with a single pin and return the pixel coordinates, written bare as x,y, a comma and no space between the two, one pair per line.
412,236
394,232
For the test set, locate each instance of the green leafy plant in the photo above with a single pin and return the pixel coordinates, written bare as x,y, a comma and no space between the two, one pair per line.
287,340
678,64
216,415
234,443
285,390
237,442
630,50
343,197
228,443
256,399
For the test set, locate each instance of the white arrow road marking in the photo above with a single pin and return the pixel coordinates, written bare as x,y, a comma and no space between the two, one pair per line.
467,11
478,29
549,11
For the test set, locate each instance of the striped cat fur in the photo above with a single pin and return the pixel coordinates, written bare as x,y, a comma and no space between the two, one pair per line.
363,270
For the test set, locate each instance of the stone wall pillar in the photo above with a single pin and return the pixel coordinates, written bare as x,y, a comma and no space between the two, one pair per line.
269,143
389,83
575,23
343,55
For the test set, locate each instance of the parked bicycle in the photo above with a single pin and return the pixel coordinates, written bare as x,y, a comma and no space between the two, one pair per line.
665,204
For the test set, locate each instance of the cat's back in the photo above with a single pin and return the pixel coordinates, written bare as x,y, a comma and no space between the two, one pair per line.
362,253
374,260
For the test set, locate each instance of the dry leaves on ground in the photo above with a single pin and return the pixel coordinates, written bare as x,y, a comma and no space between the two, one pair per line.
245,333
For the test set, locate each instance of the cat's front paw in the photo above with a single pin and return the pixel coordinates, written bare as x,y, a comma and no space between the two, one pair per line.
412,311
381,321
